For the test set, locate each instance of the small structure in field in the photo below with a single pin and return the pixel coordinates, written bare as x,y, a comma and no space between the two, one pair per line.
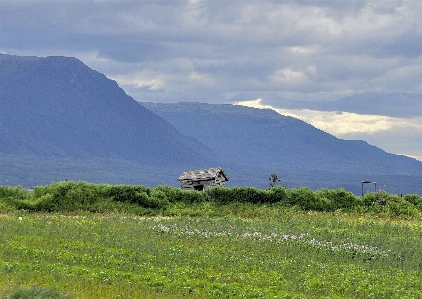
368,182
203,179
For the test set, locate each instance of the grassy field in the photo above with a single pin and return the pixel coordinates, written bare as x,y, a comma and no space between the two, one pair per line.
250,252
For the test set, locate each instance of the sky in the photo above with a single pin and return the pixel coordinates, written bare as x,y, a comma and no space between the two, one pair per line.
350,68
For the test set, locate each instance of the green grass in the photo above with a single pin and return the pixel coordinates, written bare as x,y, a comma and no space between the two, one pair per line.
250,252
37,293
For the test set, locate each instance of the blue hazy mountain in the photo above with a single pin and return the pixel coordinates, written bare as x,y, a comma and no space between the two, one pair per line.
262,138
60,119
57,107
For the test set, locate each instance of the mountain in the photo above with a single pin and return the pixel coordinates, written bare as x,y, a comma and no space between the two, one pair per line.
60,119
265,140
57,107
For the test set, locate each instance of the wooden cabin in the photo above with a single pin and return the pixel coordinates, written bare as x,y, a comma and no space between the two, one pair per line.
203,179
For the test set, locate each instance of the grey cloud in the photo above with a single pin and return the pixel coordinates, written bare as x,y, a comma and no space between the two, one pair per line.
354,46
408,45
402,105
396,105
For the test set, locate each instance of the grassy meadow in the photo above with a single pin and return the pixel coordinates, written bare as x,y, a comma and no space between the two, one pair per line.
209,249
284,253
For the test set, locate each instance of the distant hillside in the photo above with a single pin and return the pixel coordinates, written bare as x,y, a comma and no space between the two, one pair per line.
57,107
264,139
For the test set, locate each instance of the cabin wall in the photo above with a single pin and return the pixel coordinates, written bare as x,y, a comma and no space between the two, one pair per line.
192,185
220,181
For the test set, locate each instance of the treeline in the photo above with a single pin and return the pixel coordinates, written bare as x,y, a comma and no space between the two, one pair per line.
83,196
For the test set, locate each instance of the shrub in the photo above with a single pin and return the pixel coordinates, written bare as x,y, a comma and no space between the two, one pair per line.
66,196
402,207
237,195
249,194
415,200
125,193
71,196
336,199
278,194
373,198
219,194
14,192
157,200
173,194
190,196
11,197
45,203
180,195
303,197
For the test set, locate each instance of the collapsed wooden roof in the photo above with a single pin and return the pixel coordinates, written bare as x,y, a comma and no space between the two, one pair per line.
203,174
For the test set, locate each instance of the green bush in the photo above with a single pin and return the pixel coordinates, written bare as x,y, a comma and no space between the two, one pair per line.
194,196
249,195
10,197
179,195
237,195
415,199
372,198
402,208
46,203
125,193
220,195
304,198
335,199
66,196
278,194
158,200
172,194
14,192
382,202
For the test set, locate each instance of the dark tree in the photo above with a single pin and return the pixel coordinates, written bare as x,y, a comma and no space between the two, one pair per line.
273,178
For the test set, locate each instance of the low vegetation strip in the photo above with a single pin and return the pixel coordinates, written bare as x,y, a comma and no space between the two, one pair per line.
140,200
